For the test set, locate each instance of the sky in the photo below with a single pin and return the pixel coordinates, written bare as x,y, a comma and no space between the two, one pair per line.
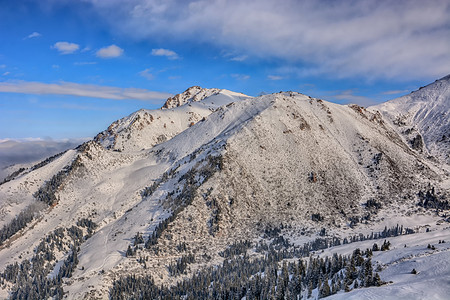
68,69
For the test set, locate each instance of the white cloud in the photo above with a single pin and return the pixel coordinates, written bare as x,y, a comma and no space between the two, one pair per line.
240,76
33,35
146,74
81,90
372,39
2,66
110,52
6,73
274,77
165,52
66,47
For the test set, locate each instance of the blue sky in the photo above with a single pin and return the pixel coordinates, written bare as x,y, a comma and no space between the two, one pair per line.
70,68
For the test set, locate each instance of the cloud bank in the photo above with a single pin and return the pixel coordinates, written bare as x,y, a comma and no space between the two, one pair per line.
31,150
405,39
81,90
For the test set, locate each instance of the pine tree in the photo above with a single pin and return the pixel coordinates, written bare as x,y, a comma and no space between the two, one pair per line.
295,285
325,290
347,287
368,280
377,280
310,288
138,239
129,252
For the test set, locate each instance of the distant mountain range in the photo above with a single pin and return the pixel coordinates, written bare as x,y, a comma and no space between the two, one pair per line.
233,189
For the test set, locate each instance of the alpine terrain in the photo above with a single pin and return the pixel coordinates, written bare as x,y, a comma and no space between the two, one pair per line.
219,195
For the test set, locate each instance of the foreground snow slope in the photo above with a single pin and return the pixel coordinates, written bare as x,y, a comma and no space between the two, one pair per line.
432,266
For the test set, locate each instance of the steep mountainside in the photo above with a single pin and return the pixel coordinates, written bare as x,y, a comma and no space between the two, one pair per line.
166,193
423,118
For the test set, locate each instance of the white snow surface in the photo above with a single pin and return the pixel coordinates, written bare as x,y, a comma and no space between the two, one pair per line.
407,253
285,157
425,112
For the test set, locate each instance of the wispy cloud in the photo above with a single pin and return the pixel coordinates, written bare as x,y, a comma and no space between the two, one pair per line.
84,63
66,47
110,52
349,96
146,74
238,58
81,90
240,76
395,92
365,39
172,55
274,77
233,56
6,73
33,35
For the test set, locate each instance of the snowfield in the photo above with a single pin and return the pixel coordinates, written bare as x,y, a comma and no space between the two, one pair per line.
432,266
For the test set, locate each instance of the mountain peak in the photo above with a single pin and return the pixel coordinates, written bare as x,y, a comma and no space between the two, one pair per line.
192,94
444,78
422,118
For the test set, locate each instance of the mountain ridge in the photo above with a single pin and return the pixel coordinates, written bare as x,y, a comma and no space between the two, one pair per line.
422,118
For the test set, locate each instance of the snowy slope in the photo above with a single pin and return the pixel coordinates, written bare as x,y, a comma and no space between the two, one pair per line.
423,118
433,267
229,165
16,194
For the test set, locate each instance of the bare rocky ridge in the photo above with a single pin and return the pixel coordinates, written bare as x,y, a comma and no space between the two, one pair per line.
215,167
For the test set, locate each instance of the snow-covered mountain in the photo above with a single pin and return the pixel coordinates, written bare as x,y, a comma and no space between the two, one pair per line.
423,118
146,128
212,175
